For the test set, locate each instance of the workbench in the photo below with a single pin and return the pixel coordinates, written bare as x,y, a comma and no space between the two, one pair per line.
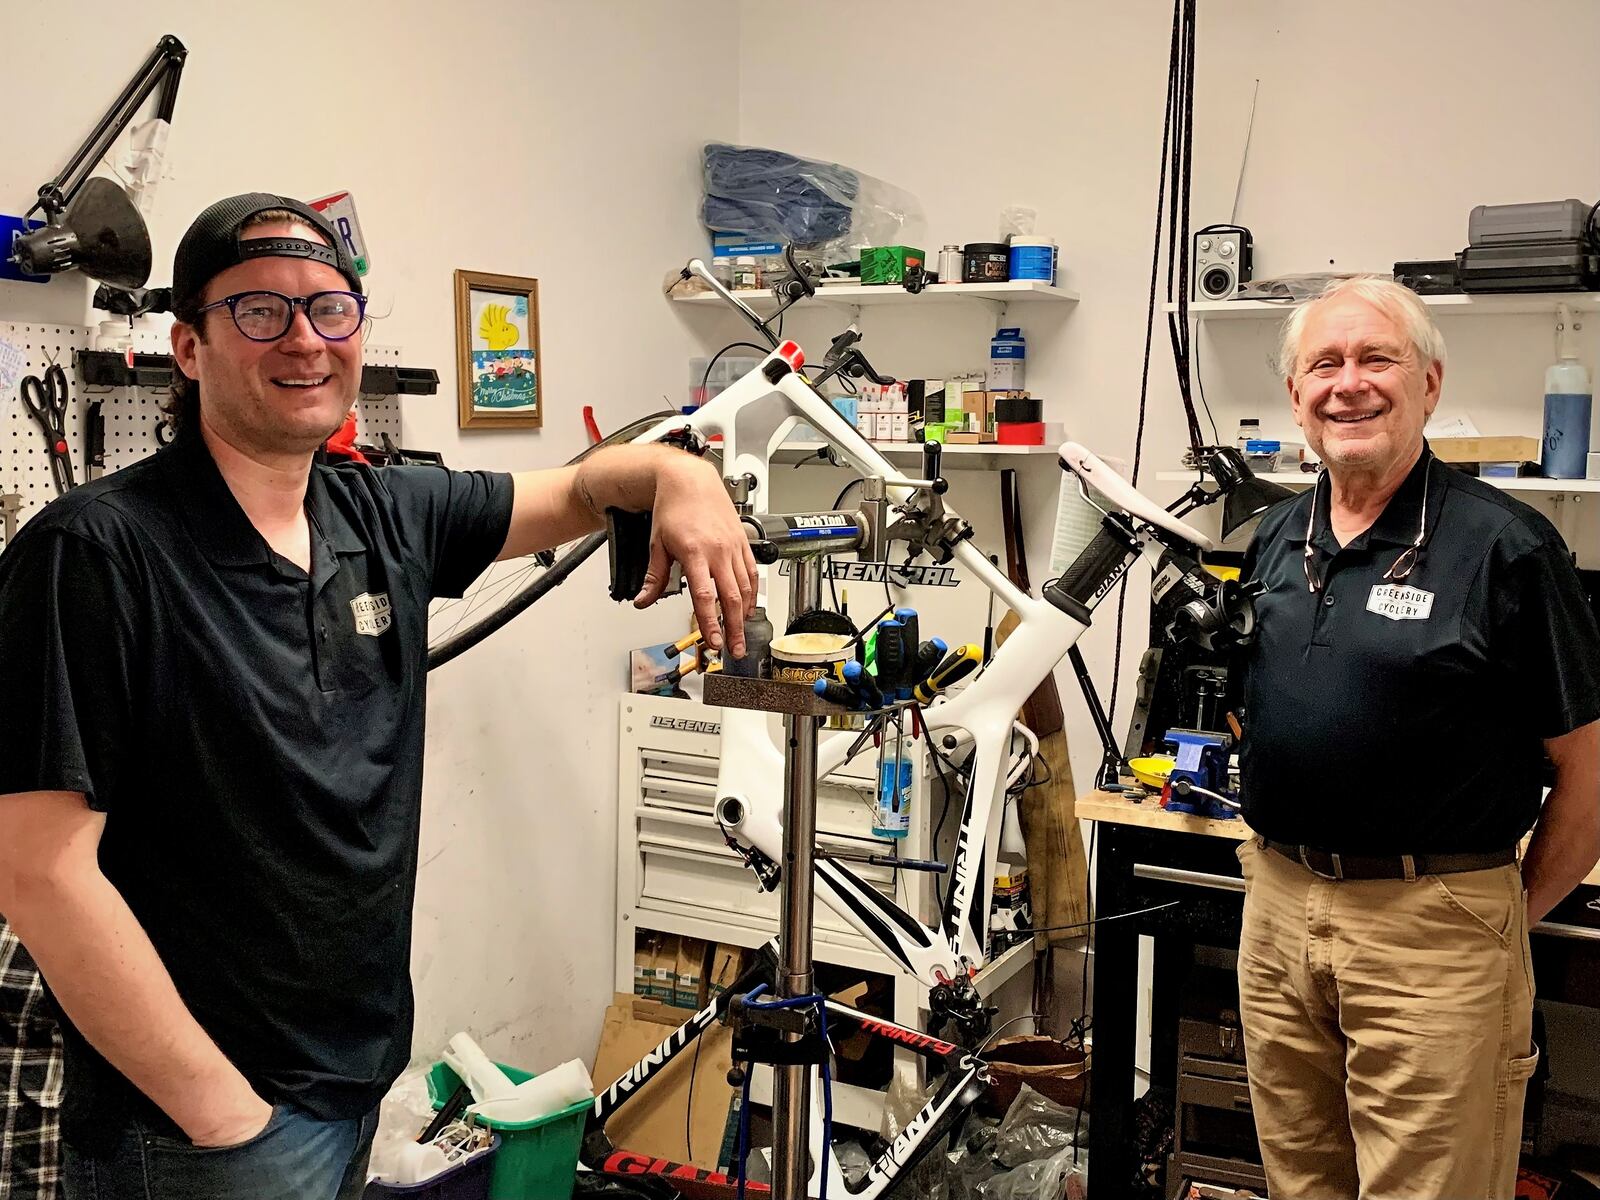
1146,856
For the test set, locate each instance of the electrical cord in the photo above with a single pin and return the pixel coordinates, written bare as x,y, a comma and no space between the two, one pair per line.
1033,1016
706,378
688,1108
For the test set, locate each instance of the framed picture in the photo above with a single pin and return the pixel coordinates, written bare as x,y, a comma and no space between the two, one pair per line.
498,368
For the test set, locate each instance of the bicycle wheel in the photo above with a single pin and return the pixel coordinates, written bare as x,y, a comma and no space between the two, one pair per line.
511,587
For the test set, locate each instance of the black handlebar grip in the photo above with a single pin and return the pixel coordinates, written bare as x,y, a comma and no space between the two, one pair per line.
1092,570
628,548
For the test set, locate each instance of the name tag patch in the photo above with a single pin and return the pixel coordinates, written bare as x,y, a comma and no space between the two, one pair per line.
1399,602
372,613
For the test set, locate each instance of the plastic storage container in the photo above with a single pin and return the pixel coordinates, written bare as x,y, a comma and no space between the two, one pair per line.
537,1159
468,1181
1033,258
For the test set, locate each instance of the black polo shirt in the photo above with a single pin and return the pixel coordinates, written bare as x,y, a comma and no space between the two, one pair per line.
1408,718
254,736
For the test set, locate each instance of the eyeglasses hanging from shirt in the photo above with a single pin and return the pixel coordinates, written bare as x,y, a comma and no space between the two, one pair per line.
1399,570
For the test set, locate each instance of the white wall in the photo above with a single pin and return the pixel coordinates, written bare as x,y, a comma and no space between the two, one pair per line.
549,139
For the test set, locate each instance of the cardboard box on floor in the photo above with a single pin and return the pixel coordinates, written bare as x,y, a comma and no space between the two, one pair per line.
654,1123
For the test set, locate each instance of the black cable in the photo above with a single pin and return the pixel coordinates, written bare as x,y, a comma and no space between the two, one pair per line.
706,378
1199,379
688,1109
1122,916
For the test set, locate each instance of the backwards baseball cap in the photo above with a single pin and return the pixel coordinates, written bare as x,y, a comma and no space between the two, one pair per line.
213,244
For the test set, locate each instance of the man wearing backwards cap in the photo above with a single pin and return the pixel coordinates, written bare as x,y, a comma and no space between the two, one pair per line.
210,776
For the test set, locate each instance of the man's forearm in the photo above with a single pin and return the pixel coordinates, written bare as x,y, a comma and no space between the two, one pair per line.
625,476
1564,849
111,983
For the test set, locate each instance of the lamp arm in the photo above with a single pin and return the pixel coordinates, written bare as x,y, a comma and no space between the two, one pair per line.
163,67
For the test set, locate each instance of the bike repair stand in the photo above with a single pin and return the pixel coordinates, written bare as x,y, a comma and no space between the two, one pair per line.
790,1039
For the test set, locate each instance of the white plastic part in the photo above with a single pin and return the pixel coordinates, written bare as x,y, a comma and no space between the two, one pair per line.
487,1081
540,1096
415,1163
1083,463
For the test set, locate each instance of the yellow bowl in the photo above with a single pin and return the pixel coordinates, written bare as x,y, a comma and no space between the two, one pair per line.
1152,771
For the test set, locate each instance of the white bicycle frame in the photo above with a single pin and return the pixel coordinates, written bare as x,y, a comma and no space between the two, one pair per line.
753,417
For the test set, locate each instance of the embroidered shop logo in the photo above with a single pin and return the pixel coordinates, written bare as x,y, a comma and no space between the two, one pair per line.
373,613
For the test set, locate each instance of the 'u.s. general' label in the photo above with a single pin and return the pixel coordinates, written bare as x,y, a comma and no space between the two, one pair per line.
1399,602
373,614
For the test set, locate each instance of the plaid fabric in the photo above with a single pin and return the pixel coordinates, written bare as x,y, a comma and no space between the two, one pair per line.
30,1079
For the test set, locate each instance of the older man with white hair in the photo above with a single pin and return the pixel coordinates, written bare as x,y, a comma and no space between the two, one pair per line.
1424,645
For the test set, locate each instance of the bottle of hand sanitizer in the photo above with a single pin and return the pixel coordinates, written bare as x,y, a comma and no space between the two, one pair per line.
1568,403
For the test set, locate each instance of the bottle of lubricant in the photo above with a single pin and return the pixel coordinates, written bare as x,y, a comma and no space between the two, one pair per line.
1568,405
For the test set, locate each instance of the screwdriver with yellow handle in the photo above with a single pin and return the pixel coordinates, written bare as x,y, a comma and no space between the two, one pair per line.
961,662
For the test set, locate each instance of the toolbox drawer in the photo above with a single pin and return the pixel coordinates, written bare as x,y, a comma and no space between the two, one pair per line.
674,866
1210,1092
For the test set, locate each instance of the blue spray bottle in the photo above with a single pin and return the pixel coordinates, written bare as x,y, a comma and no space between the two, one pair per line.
1568,405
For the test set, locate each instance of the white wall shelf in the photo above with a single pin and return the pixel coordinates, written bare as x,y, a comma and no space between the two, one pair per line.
857,295
1457,305
1523,484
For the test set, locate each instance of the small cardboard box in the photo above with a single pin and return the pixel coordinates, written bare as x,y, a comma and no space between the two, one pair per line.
722,971
961,438
654,1124
665,984
1485,449
690,973
644,965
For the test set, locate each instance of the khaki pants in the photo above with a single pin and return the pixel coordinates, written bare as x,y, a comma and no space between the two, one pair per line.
1387,1029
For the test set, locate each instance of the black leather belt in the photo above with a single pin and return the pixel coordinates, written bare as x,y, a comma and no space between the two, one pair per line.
1392,866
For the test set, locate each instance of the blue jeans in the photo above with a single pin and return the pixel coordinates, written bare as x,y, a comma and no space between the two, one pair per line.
296,1157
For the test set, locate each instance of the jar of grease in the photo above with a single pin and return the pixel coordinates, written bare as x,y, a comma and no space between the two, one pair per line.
985,262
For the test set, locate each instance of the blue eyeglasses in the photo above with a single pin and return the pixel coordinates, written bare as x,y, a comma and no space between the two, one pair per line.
266,316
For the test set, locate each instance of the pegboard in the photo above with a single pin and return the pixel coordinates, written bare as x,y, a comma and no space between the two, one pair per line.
131,413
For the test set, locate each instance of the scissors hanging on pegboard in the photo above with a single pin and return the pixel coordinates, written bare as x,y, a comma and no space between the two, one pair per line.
46,399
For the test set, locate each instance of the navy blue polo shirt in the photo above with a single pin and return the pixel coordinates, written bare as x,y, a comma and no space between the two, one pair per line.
254,735
1408,717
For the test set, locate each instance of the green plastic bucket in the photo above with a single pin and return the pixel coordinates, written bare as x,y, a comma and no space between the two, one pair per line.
538,1159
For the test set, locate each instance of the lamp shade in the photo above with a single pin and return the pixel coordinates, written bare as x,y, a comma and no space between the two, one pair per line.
1244,496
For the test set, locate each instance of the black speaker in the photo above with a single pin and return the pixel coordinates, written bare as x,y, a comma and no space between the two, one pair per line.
1221,262
100,234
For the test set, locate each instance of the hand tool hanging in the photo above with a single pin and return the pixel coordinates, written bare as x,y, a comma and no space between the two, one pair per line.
46,399
94,440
